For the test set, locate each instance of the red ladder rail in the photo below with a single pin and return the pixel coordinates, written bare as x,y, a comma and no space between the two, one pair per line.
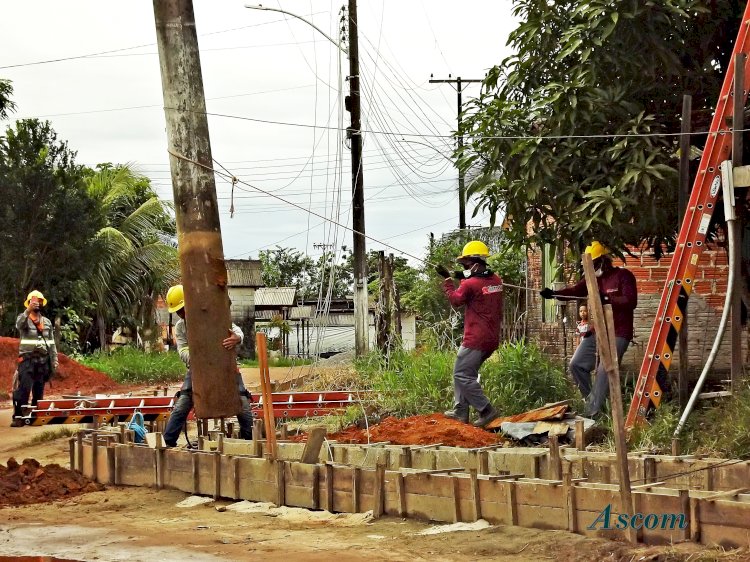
690,241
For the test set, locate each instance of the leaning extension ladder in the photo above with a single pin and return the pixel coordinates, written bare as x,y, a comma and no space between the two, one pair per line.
679,283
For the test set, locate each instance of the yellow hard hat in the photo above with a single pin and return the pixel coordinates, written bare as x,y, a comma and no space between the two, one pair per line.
175,298
36,294
596,249
475,249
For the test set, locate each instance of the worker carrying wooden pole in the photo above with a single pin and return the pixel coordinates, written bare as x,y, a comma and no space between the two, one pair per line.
202,265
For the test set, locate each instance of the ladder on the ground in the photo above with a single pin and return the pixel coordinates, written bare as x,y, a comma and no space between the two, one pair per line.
679,283
286,405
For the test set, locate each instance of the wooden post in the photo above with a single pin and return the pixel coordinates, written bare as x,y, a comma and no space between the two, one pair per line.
265,383
79,451
217,475
401,487
329,487
356,477
605,343
379,491
555,463
236,476
111,466
280,483
570,497
512,505
683,196
580,436
380,313
196,473
738,124
283,432
695,524
316,487
72,452
315,438
456,499
404,459
475,494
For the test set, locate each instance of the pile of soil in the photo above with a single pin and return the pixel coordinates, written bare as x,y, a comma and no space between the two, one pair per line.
71,376
30,482
421,430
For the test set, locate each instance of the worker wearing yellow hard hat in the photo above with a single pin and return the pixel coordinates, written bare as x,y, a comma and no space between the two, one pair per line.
480,292
183,405
617,287
37,355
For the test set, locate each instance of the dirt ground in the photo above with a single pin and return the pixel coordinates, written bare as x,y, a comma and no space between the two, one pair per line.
133,524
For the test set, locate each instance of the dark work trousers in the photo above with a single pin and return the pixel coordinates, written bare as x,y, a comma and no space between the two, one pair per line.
182,408
31,375
466,388
581,365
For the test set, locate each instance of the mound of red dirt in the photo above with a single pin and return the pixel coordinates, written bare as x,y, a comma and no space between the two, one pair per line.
30,482
71,376
420,430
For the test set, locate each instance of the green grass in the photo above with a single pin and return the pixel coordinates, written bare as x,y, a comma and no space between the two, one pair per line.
52,435
132,366
518,377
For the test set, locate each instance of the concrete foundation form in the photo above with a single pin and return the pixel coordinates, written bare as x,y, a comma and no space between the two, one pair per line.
691,498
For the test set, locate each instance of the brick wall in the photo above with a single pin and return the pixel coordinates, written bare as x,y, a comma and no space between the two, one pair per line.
704,309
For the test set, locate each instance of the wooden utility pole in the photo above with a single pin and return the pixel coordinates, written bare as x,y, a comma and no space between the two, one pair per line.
459,85
361,311
738,124
683,196
204,274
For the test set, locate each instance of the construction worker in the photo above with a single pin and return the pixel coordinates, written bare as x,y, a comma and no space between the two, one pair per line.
616,287
176,304
37,355
480,291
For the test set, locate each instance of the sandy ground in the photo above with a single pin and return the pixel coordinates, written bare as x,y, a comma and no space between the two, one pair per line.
145,524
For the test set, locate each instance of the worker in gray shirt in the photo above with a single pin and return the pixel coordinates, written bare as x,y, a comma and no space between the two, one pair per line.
176,304
37,355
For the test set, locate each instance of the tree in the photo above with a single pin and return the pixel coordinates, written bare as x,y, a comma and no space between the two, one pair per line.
137,252
584,69
47,220
286,267
6,104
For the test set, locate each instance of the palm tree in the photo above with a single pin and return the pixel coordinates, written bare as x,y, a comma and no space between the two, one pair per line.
138,250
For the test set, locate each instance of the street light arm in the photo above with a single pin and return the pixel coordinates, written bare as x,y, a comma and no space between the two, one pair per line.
338,44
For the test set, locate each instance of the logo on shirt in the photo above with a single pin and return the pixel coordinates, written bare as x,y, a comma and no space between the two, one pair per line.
489,289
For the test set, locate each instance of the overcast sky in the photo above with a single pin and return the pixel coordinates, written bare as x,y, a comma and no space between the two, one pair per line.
263,65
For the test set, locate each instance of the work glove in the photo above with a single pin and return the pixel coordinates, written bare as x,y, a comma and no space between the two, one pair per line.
442,271
546,293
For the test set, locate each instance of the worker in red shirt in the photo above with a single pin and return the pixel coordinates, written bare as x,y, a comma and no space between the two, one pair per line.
480,291
616,287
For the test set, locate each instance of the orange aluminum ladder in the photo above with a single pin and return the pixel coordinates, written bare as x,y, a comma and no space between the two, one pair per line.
679,283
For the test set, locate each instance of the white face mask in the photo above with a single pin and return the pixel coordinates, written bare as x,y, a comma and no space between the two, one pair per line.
599,272
467,273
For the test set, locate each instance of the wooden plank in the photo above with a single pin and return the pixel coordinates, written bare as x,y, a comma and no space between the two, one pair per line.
315,493
725,495
570,497
511,502
725,537
217,475
554,458
111,469
695,515
647,486
196,473
404,458
94,455
315,437
79,451
236,478
580,436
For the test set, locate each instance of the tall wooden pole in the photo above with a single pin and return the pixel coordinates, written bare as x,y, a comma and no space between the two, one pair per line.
738,124
604,330
361,310
204,274
683,195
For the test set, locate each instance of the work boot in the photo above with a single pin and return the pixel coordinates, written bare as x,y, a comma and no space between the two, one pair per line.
17,422
486,416
458,413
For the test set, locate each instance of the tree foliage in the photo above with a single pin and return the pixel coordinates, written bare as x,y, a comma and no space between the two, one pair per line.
573,132
6,103
47,221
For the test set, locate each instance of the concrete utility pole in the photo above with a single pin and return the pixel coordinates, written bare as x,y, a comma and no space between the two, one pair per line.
459,86
204,273
361,311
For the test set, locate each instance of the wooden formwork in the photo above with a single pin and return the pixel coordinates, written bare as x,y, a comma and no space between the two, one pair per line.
507,487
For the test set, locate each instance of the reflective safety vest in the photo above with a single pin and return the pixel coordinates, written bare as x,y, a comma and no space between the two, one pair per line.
34,341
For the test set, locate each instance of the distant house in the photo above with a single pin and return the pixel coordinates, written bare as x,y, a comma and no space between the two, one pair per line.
245,280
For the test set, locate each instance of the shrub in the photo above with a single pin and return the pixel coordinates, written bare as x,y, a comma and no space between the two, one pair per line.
518,377
129,365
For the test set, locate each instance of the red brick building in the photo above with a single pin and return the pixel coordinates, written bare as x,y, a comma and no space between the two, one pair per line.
545,326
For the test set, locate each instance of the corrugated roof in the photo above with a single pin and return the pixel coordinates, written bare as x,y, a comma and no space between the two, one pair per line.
275,296
300,312
244,273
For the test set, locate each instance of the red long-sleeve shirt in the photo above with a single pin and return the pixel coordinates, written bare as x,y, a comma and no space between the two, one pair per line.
483,299
618,284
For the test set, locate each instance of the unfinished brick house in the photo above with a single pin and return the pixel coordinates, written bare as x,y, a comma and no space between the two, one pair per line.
545,318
